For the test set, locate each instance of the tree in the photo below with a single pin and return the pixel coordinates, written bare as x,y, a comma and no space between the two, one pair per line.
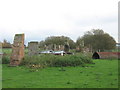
41,44
6,44
98,40
79,44
67,47
59,40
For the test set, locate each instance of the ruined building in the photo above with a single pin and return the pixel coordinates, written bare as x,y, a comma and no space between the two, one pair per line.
17,50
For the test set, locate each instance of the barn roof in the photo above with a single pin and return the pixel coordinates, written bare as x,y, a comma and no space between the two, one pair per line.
107,55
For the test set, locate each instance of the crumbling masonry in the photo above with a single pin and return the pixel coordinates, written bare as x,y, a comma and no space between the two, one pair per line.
17,50
33,48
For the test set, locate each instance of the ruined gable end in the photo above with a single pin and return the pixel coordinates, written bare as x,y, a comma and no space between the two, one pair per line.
17,50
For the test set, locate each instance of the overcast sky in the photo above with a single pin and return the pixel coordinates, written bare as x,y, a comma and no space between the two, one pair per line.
39,19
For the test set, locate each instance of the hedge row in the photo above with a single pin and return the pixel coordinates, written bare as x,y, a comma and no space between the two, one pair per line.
55,61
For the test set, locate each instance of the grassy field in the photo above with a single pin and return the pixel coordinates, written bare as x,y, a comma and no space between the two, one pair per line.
102,74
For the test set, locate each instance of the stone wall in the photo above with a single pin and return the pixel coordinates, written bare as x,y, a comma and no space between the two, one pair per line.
33,48
17,50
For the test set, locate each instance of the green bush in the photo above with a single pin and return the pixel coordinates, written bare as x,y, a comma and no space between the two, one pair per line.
5,59
55,61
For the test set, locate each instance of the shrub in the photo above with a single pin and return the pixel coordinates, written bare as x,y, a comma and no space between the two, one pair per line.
5,59
55,61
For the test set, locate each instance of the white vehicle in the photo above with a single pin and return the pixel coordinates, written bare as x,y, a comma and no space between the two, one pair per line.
55,52
1,53
46,52
59,53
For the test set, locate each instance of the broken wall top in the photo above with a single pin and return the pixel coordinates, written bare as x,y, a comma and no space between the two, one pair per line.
18,40
33,45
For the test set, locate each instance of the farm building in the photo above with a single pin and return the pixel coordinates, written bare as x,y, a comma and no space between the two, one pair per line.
106,55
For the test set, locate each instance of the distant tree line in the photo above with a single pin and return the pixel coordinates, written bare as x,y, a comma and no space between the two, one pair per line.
95,40
6,44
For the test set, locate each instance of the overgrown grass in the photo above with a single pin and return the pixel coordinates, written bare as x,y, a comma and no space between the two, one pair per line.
54,60
102,74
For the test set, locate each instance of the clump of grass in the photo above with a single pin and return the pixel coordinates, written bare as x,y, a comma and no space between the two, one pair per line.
81,72
110,74
69,82
62,69
85,84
